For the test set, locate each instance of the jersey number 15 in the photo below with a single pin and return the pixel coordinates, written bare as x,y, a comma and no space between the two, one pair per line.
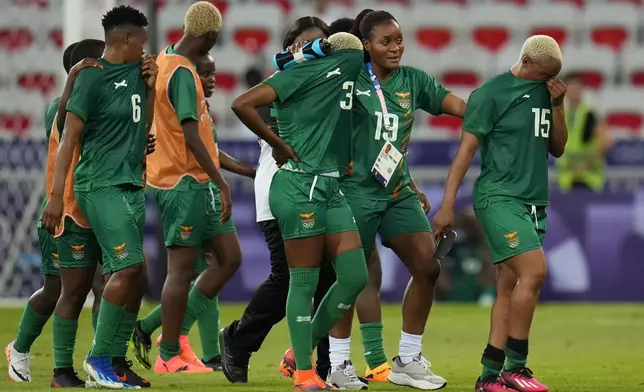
541,122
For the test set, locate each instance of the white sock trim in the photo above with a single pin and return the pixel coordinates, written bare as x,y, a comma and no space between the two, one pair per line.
339,351
410,346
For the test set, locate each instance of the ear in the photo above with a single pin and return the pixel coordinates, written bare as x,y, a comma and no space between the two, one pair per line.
366,44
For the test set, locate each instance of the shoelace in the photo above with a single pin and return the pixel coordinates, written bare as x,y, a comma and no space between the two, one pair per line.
426,364
350,372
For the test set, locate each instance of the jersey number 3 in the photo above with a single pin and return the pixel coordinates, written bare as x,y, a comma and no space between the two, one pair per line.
348,103
136,108
541,122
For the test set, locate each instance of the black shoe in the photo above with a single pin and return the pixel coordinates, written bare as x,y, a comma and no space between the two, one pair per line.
123,369
142,343
214,364
66,378
234,366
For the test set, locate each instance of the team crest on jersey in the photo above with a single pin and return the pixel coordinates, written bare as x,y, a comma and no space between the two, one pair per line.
185,233
54,260
512,239
78,252
308,220
403,100
121,251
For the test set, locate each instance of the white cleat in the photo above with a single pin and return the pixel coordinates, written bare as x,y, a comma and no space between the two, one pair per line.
416,374
344,377
18,364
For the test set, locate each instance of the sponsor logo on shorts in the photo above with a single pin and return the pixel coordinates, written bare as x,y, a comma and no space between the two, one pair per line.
308,220
403,100
512,239
54,259
121,251
186,232
303,319
78,252
208,257
343,306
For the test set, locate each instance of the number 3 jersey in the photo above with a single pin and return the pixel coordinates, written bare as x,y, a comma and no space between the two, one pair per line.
406,90
512,117
112,103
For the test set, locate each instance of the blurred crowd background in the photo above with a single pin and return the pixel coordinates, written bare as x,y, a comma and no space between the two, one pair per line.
596,223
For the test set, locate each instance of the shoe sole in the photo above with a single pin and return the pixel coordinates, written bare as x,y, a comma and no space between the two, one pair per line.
138,349
224,361
405,380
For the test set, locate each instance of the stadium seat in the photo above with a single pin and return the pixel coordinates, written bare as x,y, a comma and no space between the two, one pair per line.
416,56
231,63
285,5
558,20
595,64
623,110
507,57
222,5
253,28
493,26
39,76
633,65
436,26
463,66
611,25
171,20
445,124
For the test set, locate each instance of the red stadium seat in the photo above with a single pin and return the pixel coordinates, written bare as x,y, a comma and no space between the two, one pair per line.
17,124
453,124
460,78
14,39
558,33
623,110
222,5
252,39
173,35
56,36
614,36
577,3
633,65
42,82
434,38
491,38
595,64
285,5
253,28
492,25
612,25
436,25
628,120
226,81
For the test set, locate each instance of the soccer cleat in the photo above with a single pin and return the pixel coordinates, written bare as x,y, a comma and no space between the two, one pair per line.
416,374
101,371
308,380
187,354
344,377
66,378
287,365
378,374
214,364
522,380
141,345
176,365
18,364
233,364
159,339
123,369
493,385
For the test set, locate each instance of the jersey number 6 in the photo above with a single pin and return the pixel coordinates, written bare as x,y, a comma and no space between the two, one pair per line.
136,108
541,122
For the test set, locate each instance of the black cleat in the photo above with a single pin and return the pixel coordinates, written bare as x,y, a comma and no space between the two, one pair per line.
214,364
234,366
142,344
66,378
123,369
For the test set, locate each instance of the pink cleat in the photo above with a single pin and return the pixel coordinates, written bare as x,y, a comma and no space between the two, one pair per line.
495,385
522,380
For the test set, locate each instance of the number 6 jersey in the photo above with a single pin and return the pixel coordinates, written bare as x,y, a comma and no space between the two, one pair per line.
112,103
512,118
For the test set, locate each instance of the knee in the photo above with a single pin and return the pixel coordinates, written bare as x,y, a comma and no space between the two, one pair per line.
534,280
132,272
73,297
428,268
356,277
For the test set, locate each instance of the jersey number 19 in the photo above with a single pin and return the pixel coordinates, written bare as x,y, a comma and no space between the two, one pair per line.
541,122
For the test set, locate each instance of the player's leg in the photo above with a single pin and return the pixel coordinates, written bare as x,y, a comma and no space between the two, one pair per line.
326,280
39,308
97,290
405,229
246,335
208,323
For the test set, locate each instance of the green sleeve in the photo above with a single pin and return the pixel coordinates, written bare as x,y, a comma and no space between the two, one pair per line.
429,93
182,93
286,83
50,114
87,89
480,114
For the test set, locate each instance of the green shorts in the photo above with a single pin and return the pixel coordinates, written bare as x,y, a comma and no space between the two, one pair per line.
190,213
512,227
117,216
77,247
306,205
389,218
48,253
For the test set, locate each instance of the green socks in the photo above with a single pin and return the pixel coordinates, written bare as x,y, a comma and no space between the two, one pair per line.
374,352
197,306
516,353
492,361
301,288
351,268
169,350
123,335
30,327
64,342
209,331
109,319
152,321
94,321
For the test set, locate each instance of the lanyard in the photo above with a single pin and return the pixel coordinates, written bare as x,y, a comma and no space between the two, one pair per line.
376,85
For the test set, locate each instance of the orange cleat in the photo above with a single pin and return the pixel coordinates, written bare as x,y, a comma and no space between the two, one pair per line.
287,365
177,365
308,380
187,354
378,374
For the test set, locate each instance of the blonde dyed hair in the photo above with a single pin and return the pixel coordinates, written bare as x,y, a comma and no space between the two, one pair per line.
202,18
343,41
541,49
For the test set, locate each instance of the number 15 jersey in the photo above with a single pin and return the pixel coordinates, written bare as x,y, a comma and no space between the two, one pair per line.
512,117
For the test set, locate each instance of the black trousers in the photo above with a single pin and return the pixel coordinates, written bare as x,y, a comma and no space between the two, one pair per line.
268,305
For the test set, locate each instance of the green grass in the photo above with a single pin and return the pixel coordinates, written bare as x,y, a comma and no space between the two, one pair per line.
574,348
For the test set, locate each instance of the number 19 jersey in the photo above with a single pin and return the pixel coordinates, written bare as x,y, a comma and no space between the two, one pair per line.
512,117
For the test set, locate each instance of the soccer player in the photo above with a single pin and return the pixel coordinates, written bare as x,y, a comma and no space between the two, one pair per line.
41,304
209,321
518,119
305,196
108,115
180,172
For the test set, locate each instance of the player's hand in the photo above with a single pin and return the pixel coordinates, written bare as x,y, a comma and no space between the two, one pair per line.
53,213
149,70
84,63
226,204
296,46
557,90
424,201
443,221
152,143
283,154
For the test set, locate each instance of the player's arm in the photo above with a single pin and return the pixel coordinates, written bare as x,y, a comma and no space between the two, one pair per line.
234,166
559,135
454,105
69,86
435,99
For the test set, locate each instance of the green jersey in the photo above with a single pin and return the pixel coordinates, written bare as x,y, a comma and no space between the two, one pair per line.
406,90
512,118
314,111
113,104
50,114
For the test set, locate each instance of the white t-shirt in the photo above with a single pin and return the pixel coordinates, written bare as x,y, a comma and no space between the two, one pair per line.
263,177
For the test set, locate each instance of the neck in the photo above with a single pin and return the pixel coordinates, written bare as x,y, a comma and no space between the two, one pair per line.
381,73
113,55
188,47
